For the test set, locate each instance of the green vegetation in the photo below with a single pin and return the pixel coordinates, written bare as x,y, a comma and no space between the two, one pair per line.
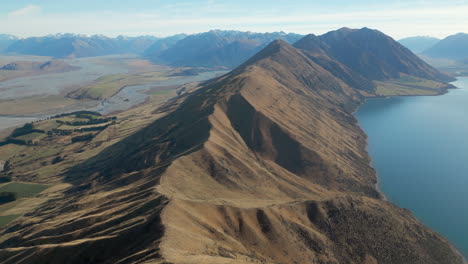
4,179
6,197
26,129
78,114
86,121
26,135
82,138
7,219
23,190
32,137
409,85
60,125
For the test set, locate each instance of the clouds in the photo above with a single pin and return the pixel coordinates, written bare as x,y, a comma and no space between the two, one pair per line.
398,18
25,11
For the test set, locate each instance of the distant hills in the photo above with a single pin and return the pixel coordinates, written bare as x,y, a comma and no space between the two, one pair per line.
71,45
218,48
6,41
162,44
419,44
453,47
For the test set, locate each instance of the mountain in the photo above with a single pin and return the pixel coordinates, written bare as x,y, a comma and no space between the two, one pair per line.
319,52
162,44
6,41
377,56
453,47
418,44
135,45
71,45
363,58
218,48
266,164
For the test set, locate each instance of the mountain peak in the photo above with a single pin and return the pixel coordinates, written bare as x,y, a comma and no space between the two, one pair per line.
276,47
377,56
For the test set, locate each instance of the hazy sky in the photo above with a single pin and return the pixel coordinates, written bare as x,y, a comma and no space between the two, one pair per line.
398,18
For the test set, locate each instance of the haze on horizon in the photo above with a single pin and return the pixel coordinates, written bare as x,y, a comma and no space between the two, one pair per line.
399,19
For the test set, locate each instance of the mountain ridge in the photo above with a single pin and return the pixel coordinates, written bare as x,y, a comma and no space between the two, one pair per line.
452,47
218,48
73,45
418,44
265,164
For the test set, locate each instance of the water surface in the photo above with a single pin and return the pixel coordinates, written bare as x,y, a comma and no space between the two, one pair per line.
419,147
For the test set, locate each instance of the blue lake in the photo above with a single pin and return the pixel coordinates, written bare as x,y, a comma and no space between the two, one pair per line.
419,147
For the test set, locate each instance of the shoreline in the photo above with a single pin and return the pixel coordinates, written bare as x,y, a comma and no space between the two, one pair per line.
445,90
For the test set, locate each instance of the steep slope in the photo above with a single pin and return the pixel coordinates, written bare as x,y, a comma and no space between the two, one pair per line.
418,44
453,47
376,56
219,48
71,45
263,165
320,53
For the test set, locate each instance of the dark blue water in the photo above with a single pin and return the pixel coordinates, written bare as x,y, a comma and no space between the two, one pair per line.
419,147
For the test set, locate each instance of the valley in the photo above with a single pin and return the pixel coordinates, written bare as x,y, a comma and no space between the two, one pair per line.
106,84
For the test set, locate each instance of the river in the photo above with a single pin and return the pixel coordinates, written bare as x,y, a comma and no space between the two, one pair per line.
419,147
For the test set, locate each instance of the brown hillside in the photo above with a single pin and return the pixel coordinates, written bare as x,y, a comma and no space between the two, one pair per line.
263,165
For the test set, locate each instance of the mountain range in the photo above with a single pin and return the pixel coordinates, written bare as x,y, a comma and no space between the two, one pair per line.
6,41
218,48
72,45
266,164
419,44
453,47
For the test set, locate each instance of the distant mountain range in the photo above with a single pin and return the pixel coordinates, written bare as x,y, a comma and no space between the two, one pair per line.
218,48
419,44
71,45
454,47
6,41
228,49
162,44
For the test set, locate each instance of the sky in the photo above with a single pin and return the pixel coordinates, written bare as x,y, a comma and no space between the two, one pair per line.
397,18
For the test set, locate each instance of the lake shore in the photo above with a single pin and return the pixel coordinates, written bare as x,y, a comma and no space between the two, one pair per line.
370,120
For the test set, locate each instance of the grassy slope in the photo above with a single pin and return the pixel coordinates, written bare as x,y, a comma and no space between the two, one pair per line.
5,219
409,85
33,163
23,190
